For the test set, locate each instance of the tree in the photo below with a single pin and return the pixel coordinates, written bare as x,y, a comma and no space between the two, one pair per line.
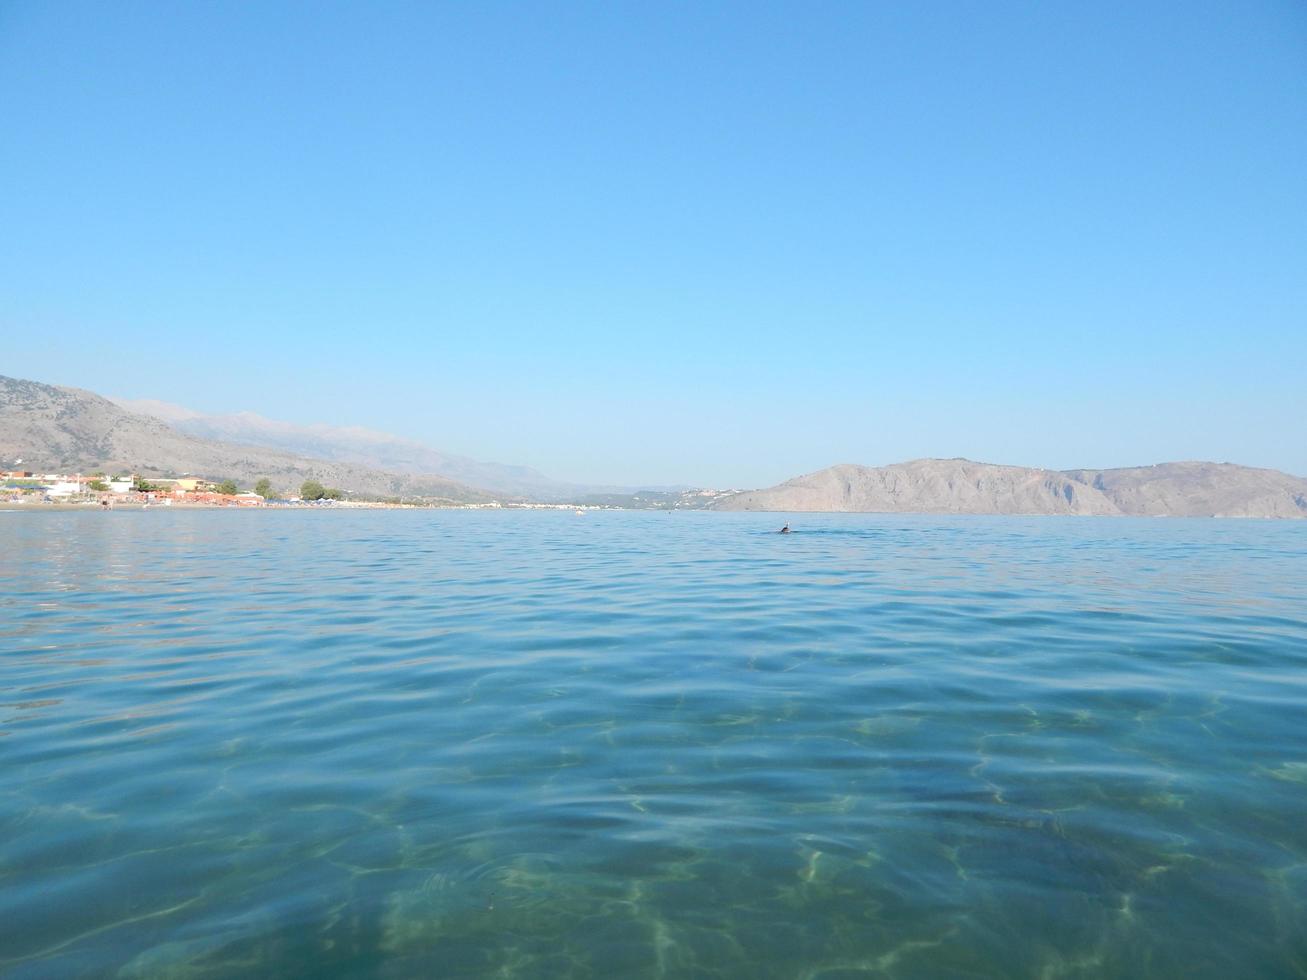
227,487
98,485
140,485
312,490
331,493
264,488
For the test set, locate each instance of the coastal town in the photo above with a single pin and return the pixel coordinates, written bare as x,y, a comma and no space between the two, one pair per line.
105,490
100,490
110,489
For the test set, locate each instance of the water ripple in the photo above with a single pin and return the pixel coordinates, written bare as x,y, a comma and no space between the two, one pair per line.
647,745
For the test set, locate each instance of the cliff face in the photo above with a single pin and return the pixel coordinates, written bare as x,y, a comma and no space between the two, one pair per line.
55,429
959,486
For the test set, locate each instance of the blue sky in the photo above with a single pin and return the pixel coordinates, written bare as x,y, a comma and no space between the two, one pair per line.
714,243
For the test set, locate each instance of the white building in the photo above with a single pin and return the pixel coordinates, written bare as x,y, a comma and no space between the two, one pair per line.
65,488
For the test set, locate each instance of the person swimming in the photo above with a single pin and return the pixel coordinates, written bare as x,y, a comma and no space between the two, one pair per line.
785,529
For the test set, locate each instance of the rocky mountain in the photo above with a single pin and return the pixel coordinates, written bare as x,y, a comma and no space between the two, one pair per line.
961,486
364,447
1198,489
53,428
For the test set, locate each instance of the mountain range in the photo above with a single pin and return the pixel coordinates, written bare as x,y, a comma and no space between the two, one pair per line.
961,486
53,428
59,428
360,447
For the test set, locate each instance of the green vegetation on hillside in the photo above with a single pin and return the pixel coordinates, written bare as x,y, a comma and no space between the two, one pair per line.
313,490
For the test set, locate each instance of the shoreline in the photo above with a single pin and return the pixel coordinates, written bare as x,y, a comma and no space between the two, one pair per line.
582,509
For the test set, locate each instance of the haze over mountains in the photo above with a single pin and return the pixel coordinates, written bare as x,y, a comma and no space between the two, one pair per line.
961,486
57,428
360,446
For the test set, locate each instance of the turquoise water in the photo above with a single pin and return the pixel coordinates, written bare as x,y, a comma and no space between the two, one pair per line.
530,744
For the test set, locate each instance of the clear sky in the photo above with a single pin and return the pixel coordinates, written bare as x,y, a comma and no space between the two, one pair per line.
710,243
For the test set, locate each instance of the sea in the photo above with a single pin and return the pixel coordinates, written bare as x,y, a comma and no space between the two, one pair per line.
533,744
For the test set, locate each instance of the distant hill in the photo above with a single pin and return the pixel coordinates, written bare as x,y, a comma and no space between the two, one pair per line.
1199,490
961,486
364,447
53,428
